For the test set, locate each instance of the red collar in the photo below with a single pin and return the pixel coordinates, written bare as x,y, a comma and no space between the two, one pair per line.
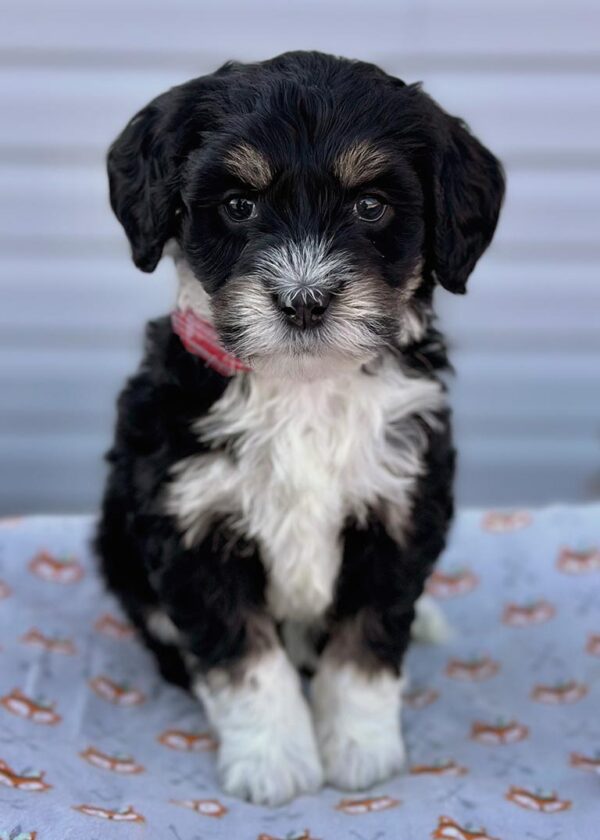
200,338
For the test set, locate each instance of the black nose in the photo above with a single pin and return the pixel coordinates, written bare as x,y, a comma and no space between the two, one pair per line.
305,308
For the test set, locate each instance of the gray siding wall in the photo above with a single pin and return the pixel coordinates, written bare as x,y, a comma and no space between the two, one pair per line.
525,75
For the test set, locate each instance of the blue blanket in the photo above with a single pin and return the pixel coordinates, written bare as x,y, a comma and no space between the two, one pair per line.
502,722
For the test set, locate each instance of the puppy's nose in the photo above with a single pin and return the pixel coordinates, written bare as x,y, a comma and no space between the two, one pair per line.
305,308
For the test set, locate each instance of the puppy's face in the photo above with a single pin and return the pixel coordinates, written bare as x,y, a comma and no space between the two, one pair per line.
315,199
308,239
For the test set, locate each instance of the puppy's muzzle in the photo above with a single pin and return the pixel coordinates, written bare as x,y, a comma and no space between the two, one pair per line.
305,308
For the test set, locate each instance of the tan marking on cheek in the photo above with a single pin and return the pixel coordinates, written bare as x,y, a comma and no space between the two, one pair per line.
359,163
412,283
250,165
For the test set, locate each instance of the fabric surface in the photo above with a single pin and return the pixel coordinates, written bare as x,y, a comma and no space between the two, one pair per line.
502,722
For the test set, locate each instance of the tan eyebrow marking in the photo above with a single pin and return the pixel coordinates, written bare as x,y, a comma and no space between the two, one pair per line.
249,165
360,162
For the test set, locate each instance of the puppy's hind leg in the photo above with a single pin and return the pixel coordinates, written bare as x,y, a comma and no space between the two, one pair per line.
122,566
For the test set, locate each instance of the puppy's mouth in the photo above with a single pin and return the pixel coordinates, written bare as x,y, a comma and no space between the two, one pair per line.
305,336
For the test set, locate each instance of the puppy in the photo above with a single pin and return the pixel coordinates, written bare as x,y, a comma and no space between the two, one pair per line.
280,483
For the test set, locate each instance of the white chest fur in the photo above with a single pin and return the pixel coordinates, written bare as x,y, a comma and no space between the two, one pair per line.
302,457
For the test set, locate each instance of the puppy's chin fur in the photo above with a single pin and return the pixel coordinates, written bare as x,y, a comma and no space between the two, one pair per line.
305,368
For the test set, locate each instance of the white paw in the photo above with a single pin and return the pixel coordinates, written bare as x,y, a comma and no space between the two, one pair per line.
358,763
270,768
268,753
357,722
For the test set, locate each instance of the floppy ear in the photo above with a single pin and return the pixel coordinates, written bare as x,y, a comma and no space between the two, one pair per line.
145,161
142,176
467,189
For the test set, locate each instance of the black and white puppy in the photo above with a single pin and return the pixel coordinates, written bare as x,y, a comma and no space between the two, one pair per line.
281,479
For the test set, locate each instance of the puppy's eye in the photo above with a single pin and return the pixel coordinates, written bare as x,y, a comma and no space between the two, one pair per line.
240,208
369,208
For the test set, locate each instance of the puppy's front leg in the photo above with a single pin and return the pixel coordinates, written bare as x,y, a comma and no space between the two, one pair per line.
267,751
356,693
251,692
356,704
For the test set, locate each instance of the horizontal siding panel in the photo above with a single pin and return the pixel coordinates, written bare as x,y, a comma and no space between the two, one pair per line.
537,27
533,28
81,108
515,483
526,344
80,300
78,112
52,480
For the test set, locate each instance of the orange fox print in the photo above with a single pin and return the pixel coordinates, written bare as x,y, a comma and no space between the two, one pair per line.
117,693
366,805
501,522
451,584
177,739
420,698
593,644
205,807
578,562
586,762
26,780
17,703
116,763
55,569
568,692
5,590
516,615
476,669
17,834
440,768
499,733
548,803
35,638
448,829
127,814
111,626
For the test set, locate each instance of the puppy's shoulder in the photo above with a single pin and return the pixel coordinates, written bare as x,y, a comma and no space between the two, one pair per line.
169,391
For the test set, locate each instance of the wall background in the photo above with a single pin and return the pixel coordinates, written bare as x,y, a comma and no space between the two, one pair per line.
524,73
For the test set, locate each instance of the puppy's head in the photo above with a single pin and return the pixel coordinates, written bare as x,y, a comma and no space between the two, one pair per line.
315,201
